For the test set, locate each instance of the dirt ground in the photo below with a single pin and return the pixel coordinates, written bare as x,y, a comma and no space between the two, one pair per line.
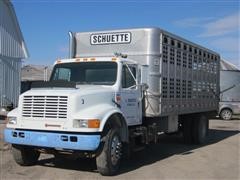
169,159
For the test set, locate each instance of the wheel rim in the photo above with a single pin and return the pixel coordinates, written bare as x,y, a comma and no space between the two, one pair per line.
226,114
116,146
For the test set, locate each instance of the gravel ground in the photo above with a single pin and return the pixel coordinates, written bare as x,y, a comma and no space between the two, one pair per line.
169,159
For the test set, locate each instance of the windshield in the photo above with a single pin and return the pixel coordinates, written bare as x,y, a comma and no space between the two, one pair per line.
102,73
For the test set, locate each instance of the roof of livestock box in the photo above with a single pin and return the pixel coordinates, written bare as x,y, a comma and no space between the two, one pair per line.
138,41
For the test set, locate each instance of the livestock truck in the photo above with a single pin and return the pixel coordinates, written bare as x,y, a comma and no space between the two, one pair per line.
118,91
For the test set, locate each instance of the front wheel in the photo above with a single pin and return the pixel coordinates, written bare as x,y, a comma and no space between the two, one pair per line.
108,160
25,156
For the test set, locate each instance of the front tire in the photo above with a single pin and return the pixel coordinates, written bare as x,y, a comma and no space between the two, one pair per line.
108,160
25,156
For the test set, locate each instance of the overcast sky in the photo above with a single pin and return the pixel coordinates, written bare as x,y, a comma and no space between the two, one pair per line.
45,24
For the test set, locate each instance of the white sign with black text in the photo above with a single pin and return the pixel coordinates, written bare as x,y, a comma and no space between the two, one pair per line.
111,38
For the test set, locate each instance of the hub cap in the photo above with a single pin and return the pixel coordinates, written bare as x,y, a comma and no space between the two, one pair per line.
116,147
226,115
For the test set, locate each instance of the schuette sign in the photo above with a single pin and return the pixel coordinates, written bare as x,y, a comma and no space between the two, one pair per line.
111,38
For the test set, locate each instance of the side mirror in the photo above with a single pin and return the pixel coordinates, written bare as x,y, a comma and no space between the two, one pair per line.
144,86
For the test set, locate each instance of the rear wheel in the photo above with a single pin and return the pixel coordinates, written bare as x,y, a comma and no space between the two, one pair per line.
25,156
108,160
187,130
226,114
195,129
200,129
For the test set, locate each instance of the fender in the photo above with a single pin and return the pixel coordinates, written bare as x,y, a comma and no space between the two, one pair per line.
13,113
109,113
124,127
104,112
100,111
225,106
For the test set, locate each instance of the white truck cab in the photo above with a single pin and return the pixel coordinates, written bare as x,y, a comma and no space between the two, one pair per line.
98,89
102,105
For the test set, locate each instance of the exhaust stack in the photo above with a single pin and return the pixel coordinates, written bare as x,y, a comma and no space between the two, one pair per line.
72,45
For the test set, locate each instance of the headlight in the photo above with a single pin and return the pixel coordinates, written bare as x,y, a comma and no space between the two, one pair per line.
3,110
12,120
86,123
80,123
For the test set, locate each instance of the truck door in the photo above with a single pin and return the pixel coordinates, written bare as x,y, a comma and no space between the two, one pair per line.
131,104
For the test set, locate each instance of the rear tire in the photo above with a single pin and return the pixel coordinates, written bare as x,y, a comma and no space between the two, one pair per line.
25,156
195,129
187,130
226,114
200,129
108,160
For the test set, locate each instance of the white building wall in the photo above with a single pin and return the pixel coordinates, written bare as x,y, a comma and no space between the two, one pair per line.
11,41
9,81
12,50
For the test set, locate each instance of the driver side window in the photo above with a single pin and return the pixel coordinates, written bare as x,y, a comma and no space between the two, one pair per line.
62,74
127,78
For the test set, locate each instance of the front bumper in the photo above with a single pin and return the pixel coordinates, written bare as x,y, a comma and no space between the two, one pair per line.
52,139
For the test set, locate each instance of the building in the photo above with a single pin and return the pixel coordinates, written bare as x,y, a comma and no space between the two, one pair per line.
12,51
230,90
227,66
229,82
34,73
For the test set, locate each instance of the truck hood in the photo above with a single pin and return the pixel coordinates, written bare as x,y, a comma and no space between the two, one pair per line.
80,90
42,108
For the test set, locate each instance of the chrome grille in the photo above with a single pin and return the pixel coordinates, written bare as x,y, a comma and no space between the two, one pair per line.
45,106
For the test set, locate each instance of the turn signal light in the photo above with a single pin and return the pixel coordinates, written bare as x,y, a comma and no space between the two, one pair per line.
93,123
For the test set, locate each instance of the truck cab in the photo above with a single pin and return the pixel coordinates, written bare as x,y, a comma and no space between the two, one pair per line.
75,109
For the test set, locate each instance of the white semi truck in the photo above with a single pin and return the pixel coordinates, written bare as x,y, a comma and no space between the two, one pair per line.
118,91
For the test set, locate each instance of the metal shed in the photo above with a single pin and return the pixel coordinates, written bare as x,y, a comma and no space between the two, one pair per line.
12,51
229,82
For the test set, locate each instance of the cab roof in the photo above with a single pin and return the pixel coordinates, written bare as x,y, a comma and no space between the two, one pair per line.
95,59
